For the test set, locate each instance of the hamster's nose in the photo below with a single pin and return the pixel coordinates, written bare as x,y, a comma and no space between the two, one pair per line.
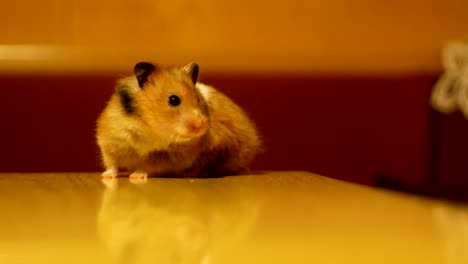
196,124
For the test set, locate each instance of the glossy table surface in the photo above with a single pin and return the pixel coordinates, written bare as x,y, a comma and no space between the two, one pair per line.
274,217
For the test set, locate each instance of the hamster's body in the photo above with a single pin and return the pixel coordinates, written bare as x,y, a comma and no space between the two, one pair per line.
161,121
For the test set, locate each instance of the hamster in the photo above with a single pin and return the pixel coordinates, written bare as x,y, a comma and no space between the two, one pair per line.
160,121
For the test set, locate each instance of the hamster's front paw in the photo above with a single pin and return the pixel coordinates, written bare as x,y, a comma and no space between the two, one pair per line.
138,177
110,173
138,181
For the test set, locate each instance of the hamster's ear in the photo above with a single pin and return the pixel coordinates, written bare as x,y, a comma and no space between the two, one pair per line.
142,70
192,69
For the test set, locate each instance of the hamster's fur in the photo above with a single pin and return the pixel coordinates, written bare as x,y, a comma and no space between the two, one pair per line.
161,121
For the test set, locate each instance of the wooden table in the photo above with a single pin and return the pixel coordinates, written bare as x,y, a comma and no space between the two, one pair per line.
277,217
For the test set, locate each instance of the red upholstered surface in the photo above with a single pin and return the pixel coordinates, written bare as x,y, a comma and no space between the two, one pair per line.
449,157
347,127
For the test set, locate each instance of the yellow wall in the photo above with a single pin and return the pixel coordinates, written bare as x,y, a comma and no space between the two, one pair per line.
240,35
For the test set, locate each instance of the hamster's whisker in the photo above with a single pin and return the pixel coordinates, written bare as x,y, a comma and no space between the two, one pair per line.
170,139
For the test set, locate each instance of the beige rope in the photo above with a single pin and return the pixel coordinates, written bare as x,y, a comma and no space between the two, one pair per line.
450,93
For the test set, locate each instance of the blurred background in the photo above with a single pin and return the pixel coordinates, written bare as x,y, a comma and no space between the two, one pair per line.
338,87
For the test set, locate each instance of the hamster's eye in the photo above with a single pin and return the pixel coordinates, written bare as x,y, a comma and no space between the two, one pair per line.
174,100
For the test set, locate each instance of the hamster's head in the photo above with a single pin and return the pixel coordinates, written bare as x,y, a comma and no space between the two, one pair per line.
165,100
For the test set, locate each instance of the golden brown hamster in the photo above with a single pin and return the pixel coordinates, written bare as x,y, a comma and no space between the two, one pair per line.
161,121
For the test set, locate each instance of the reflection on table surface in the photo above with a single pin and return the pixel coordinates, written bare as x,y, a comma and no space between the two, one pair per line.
272,217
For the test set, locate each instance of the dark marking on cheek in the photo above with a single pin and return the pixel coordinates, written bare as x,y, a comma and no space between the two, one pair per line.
127,101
